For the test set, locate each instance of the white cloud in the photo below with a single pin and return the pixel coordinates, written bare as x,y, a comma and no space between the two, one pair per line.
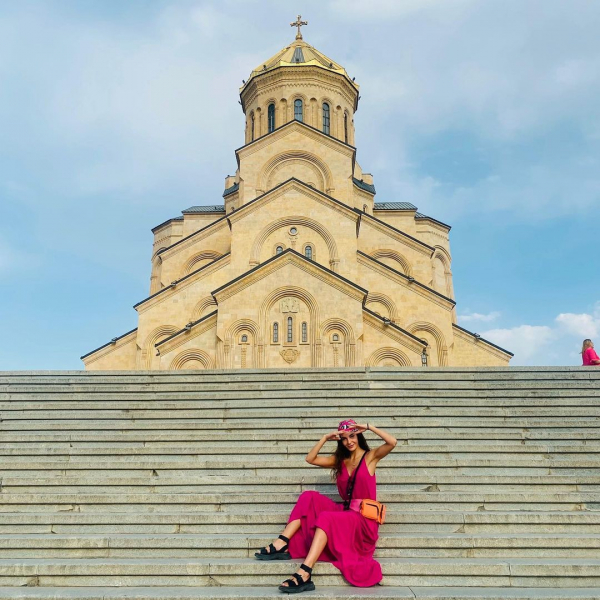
583,325
558,343
478,317
527,342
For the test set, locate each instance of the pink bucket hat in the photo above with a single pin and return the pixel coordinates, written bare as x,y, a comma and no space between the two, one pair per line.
347,425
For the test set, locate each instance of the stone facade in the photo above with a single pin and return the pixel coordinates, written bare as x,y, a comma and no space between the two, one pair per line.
299,267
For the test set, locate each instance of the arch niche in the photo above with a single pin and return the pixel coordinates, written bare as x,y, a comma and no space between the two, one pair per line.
340,346
388,357
323,232
394,259
265,317
192,359
148,358
241,347
300,164
199,260
437,351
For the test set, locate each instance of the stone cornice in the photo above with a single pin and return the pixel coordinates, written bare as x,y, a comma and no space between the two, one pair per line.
308,130
184,282
111,346
433,222
410,283
393,331
475,338
279,261
299,186
295,74
196,236
400,236
189,332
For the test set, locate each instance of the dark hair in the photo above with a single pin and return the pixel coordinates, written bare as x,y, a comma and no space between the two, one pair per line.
341,453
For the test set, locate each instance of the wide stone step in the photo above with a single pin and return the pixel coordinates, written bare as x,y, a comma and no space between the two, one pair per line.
315,399
519,572
273,522
388,480
293,449
243,545
222,502
293,465
329,593
242,413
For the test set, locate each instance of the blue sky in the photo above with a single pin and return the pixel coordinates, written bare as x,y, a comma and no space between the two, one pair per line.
117,115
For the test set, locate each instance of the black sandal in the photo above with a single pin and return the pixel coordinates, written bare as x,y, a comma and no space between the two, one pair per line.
295,584
273,553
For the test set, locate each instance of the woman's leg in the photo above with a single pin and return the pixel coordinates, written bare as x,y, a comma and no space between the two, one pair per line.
290,529
318,545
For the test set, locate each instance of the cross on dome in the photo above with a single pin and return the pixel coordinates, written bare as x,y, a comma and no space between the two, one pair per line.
299,24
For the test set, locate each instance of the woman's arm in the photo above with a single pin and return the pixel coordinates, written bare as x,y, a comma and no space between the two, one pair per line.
322,461
389,444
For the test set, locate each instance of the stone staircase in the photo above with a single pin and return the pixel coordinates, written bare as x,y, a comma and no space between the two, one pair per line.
162,485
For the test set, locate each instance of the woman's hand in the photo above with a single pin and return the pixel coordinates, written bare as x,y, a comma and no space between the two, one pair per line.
333,436
361,428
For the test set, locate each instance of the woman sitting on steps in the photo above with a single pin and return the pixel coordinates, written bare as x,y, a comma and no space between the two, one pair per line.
319,528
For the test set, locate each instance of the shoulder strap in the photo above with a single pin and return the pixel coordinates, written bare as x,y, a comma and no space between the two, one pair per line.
351,482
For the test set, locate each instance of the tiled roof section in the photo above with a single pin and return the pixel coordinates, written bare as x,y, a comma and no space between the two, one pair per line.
394,206
231,190
368,187
194,210
422,216
154,229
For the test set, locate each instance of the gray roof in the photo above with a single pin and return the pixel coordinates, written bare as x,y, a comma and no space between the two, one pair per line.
231,190
368,187
194,210
165,223
422,216
394,206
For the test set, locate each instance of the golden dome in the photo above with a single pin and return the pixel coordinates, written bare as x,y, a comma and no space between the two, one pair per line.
299,54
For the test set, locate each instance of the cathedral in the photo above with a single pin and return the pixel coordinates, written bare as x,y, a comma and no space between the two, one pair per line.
299,266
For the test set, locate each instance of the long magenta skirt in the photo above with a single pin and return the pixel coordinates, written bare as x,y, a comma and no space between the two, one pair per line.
351,538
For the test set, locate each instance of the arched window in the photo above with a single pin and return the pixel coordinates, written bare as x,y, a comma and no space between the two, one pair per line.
279,250
346,127
252,127
304,332
290,329
308,252
275,333
326,118
335,337
271,117
298,110
244,339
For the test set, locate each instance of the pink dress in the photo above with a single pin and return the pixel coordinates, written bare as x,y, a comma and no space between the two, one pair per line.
588,356
351,537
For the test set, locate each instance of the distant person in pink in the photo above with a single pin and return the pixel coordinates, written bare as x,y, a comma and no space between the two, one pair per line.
588,354
321,529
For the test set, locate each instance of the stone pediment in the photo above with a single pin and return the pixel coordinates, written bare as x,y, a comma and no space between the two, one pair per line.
285,131
296,186
289,258
300,151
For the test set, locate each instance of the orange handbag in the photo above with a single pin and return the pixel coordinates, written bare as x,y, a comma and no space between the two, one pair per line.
371,509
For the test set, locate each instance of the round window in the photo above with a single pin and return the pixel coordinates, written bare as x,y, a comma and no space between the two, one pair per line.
293,231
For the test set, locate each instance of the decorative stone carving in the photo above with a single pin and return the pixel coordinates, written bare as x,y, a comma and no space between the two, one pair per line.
290,355
290,305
